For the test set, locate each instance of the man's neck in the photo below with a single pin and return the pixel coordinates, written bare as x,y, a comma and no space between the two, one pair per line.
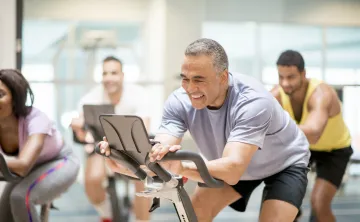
115,97
221,99
300,94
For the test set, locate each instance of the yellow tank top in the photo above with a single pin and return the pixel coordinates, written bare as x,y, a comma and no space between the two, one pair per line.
336,135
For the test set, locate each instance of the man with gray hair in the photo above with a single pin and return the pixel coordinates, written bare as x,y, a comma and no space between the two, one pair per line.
242,131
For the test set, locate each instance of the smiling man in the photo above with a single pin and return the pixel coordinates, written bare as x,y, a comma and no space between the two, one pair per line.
127,100
242,131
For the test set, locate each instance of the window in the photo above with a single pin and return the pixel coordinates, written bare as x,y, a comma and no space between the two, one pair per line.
238,40
342,55
276,38
45,98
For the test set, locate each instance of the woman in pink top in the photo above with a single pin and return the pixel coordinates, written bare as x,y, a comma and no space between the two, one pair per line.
39,155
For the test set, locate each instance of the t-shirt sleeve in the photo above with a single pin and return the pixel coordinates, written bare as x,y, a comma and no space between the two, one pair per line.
172,121
38,123
252,121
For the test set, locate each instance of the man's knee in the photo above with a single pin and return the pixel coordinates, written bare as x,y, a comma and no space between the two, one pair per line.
95,178
322,195
203,213
95,187
319,204
277,211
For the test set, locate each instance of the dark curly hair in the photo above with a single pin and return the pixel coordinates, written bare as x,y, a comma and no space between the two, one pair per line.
20,89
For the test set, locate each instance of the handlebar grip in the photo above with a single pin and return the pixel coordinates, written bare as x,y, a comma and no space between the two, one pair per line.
125,161
6,173
160,172
200,164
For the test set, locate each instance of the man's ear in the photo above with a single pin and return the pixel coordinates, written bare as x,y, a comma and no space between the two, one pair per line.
224,76
303,73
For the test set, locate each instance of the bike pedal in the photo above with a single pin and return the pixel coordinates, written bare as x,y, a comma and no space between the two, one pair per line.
155,204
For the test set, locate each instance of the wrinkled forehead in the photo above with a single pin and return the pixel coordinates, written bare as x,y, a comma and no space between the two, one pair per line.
200,63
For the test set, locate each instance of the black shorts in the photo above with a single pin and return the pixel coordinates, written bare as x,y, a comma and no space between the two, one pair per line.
289,185
331,166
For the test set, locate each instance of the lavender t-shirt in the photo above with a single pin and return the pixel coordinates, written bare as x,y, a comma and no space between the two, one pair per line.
37,122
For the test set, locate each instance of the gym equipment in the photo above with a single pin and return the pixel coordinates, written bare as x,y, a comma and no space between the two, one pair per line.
120,206
130,146
8,176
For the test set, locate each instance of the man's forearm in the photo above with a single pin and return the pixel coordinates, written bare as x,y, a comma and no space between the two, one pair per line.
312,135
190,171
222,169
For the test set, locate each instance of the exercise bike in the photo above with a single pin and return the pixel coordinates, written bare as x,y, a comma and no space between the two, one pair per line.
130,146
7,176
121,206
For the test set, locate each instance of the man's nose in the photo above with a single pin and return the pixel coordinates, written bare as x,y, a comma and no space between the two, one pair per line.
192,87
284,83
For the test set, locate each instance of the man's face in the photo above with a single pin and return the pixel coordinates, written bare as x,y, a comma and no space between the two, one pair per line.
112,77
290,78
201,81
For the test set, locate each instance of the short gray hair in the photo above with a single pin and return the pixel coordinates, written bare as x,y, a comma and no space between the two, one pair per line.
211,48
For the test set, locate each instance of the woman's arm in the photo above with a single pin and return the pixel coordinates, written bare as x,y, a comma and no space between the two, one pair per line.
28,156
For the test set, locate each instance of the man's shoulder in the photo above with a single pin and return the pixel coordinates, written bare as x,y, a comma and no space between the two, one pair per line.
252,104
247,85
322,91
248,90
133,94
94,95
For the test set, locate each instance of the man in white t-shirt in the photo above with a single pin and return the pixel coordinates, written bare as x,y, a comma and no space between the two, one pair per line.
128,100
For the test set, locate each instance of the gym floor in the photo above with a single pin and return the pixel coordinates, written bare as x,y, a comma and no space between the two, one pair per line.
74,205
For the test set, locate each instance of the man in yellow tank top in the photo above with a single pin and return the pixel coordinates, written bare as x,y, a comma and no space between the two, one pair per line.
316,108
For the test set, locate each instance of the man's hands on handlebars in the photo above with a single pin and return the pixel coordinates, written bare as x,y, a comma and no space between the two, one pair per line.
157,152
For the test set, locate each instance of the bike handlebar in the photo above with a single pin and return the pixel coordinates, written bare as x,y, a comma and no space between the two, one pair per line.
132,165
125,161
6,174
200,164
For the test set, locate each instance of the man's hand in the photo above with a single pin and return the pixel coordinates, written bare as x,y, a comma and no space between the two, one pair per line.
158,151
104,147
77,125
